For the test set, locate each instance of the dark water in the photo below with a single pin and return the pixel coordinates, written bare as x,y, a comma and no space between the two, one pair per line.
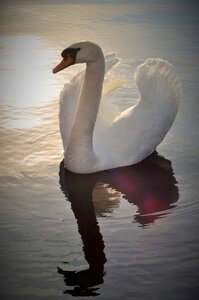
128,233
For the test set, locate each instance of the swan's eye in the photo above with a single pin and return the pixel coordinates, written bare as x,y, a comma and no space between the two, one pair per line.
72,52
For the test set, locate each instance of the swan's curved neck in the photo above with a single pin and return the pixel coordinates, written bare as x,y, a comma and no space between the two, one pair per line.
80,154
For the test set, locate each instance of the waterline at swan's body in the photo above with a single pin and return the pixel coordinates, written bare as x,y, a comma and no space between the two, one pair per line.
94,140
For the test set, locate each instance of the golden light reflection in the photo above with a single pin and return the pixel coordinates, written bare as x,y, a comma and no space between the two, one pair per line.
105,199
25,78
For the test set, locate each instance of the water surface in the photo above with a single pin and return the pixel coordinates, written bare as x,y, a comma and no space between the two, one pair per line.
129,233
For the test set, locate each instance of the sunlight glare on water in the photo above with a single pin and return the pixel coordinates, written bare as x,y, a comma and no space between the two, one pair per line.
25,79
27,87
24,62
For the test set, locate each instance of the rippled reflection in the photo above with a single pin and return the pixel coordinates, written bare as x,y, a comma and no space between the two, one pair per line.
78,189
150,185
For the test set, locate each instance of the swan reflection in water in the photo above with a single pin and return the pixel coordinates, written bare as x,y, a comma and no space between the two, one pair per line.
150,185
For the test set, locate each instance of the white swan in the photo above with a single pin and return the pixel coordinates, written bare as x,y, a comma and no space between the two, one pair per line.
93,142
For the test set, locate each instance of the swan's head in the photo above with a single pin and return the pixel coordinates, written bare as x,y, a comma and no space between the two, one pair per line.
82,52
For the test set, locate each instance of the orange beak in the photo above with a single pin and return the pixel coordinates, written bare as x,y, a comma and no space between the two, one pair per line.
63,64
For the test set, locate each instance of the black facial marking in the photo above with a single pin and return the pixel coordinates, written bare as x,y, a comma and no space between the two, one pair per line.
71,51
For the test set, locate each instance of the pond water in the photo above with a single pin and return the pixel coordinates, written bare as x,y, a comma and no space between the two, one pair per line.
128,233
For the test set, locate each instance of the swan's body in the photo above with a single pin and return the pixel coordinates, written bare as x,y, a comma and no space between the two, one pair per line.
94,140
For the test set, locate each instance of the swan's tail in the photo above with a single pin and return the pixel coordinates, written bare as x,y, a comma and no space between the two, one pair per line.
157,79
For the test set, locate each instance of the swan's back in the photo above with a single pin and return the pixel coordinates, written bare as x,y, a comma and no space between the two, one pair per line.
136,132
